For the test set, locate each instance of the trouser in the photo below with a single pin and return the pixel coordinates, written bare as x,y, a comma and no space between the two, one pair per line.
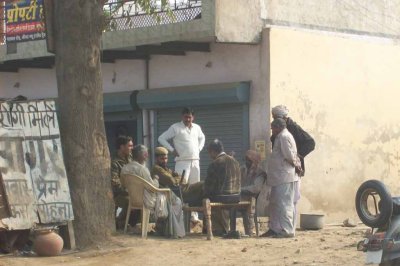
193,193
221,218
247,223
296,199
192,175
281,209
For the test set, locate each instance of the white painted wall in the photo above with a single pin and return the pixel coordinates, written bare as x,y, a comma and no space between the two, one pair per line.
41,83
344,91
375,17
32,83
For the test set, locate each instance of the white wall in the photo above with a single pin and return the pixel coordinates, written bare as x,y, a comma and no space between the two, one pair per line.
32,83
344,91
41,83
375,17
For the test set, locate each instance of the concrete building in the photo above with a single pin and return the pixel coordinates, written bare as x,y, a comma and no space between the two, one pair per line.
333,63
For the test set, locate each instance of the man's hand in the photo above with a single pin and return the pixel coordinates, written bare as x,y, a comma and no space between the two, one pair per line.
156,177
299,171
177,178
175,153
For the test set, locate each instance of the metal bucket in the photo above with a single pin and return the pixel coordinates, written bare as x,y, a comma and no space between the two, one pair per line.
311,221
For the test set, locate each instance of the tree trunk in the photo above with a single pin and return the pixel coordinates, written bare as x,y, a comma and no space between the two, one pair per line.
78,29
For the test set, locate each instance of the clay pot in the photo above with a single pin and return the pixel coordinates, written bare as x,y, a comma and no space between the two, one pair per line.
47,243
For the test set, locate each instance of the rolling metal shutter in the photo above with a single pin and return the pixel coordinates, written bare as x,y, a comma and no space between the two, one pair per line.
228,123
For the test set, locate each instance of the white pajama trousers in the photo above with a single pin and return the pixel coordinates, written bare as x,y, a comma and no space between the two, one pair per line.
281,208
192,175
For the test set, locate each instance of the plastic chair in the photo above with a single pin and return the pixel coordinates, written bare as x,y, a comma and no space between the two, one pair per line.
136,187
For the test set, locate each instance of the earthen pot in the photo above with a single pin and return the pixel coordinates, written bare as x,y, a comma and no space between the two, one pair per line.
47,243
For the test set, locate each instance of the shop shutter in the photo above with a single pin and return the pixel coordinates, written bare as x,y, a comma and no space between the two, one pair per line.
228,123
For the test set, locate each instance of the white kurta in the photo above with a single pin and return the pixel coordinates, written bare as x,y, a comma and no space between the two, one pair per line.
282,179
282,160
188,142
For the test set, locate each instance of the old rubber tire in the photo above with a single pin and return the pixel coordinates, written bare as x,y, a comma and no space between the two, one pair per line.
385,204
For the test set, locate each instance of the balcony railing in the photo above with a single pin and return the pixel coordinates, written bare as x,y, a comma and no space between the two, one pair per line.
125,15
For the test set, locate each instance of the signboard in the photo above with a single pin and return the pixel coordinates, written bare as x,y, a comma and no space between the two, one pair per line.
24,20
260,148
32,165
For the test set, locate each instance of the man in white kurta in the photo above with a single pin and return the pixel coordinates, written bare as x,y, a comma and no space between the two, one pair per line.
188,140
282,178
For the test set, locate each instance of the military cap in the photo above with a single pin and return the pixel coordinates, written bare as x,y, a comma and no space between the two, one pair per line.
161,151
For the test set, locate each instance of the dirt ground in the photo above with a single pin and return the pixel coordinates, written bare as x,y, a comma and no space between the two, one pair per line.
333,245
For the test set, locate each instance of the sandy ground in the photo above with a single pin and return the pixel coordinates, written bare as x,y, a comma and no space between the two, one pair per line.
333,245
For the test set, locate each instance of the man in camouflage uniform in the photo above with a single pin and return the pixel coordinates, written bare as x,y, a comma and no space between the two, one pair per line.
123,156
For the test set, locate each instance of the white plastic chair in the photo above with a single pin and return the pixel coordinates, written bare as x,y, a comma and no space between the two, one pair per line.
136,187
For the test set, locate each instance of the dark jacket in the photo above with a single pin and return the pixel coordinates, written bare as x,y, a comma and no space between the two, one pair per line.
223,177
304,142
116,165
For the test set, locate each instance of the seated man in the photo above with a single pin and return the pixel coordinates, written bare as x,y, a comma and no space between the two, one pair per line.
166,177
252,176
222,184
174,225
124,145
253,182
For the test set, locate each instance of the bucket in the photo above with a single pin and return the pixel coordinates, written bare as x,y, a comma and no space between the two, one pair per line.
311,221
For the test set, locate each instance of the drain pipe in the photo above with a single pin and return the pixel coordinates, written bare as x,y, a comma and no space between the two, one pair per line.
147,136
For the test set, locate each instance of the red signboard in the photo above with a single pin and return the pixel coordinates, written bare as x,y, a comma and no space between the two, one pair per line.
24,20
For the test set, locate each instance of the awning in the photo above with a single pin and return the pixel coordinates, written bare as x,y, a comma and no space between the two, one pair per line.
117,102
222,93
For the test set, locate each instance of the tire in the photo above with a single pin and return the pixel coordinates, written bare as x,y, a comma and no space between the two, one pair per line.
385,205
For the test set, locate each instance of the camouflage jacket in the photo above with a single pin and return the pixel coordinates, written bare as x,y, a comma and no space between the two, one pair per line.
116,165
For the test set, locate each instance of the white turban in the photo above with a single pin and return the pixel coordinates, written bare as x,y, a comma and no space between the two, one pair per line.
280,111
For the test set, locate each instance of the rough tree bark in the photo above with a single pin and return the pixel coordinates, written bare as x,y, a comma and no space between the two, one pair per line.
78,28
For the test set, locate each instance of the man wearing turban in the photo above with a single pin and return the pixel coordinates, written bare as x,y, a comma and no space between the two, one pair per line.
282,179
253,181
304,143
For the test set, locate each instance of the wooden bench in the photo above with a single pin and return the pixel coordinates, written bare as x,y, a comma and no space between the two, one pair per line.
248,206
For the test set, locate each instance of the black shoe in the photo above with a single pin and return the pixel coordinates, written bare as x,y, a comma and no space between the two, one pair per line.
219,232
283,235
232,235
269,233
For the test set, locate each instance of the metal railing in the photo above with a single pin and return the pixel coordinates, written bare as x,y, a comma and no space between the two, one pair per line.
124,15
